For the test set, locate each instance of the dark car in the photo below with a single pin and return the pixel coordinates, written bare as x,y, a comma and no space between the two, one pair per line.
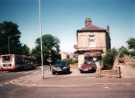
60,67
88,67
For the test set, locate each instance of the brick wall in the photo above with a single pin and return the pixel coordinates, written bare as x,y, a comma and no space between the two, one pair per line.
128,67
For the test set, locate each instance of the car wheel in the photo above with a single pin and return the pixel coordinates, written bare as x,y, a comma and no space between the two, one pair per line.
68,71
81,71
53,72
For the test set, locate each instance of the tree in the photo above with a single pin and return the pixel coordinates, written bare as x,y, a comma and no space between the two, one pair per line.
123,51
131,46
9,38
131,43
25,50
50,48
109,58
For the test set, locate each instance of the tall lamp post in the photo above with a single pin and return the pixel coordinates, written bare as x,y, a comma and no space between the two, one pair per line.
8,44
8,39
41,43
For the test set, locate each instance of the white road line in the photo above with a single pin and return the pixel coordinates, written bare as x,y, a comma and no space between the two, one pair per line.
70,85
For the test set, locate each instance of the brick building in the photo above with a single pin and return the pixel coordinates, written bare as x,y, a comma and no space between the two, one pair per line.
92,42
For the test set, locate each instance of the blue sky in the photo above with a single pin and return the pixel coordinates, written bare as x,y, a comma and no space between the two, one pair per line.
63,17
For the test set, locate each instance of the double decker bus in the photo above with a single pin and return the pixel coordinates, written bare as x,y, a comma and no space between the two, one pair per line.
12,62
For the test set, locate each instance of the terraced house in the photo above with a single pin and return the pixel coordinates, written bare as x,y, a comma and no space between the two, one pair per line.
92,42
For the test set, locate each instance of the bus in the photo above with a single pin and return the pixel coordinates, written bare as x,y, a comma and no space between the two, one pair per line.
12,62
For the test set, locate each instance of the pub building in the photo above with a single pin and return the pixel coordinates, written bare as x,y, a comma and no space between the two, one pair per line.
92,43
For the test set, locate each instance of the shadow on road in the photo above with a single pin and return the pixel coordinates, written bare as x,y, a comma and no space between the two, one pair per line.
7,76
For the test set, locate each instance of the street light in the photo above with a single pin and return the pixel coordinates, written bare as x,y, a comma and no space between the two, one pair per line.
8,39
41,43
9,44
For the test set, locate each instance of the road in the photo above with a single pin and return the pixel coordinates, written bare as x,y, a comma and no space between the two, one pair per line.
95,91
7,76
66,87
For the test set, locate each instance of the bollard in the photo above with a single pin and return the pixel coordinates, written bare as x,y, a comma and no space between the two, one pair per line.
119,72
99,72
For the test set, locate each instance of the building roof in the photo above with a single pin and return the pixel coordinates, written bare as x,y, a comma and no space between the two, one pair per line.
89,26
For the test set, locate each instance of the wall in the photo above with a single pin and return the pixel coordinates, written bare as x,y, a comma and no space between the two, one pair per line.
83,40
100,40
127,71
127,67
80,59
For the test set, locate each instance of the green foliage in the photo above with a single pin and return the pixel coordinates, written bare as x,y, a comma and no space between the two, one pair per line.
9,33
123,51
131,46
71,61
50,48
109,58
132,53
25,50
10,39
131,43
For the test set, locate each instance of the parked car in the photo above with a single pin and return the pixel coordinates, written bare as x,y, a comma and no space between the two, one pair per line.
60,67
88,67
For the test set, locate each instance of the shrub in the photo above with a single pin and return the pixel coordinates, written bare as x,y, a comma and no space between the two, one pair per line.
71,61
109,58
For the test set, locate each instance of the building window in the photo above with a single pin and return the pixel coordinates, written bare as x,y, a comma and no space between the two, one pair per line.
91,40
91,35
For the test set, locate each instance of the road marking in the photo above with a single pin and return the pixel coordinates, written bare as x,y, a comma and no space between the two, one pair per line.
106,87
63,85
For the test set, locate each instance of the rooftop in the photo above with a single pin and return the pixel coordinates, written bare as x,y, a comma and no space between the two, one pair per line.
89,26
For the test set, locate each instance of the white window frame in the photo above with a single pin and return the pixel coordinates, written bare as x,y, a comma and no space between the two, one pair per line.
91,40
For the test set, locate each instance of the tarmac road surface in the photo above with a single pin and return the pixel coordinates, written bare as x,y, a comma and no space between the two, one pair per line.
30,85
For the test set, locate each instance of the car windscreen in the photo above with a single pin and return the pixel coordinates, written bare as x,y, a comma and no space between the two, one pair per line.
60,63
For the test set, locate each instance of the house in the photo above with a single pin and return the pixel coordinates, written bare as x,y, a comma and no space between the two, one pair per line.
92,42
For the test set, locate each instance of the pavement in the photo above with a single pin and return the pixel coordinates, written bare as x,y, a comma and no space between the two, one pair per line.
36,79
75,79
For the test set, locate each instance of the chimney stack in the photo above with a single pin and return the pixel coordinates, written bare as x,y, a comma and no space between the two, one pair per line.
88,22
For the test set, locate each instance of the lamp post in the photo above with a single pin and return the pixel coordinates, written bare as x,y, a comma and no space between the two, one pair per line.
8,41
41,43
9,44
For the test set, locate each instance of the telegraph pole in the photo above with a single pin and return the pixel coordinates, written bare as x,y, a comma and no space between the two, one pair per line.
41,43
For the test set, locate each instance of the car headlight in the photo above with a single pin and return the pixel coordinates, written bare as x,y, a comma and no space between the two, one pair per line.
58,68
65,67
